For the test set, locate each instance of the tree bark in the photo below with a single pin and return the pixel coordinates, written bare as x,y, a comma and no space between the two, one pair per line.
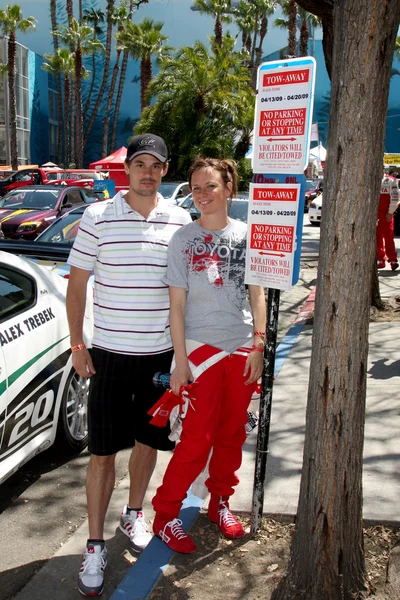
109,12
67,118
13,103
106,122
292,28
53,17
146,73
327,558
121,83
78,103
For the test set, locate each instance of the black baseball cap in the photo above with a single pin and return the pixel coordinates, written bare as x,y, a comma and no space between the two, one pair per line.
147,144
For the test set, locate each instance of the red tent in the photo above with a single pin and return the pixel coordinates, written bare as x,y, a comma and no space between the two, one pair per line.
114,164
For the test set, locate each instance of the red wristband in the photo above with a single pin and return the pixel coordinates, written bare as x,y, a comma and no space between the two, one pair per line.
260,333
258,349
77,347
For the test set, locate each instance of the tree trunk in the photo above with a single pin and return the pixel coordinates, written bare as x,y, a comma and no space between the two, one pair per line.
67,117
92,80
263,33
376,299
78,103
121,83
13,102
110,11
292,28
53,16
145,78
304,38
218,31
106,122
72,124
70,11
327,559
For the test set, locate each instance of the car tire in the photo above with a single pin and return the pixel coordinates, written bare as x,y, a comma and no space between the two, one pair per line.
72,429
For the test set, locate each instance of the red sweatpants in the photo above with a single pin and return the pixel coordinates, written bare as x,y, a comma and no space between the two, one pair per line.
385,240
216,421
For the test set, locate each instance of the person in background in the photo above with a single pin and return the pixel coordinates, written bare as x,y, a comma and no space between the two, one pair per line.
388,202
218,330
124,241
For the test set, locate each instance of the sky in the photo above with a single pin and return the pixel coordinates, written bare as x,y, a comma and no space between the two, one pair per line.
182,25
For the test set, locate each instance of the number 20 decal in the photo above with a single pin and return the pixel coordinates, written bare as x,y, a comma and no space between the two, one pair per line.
32,414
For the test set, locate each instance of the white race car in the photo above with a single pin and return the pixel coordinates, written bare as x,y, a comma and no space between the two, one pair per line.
42,399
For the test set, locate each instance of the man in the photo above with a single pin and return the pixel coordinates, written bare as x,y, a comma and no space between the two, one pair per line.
124,240
388,202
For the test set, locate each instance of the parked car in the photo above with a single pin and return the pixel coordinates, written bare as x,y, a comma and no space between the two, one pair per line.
314,187
237,210
41,176
174,191
42,399
24,213
314,211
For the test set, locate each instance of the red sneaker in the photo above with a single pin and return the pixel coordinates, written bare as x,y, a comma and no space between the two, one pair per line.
381,264
172,534
218,512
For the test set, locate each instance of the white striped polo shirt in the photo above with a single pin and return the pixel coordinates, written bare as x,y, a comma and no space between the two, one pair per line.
128,254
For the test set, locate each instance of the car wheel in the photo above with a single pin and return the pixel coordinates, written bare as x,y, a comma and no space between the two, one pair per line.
72,431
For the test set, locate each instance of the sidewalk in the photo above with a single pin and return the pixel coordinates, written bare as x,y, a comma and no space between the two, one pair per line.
381,477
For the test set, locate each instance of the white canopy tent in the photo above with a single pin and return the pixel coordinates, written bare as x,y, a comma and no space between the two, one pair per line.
318,152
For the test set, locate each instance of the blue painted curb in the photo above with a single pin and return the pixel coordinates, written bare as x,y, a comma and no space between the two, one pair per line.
144,574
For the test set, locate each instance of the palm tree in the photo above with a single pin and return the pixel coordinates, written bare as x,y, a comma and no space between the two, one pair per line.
53,17
251,17
289,8
93,17
81,37
120,18
202,99
143,41
63,62
108,48
218,9
11,21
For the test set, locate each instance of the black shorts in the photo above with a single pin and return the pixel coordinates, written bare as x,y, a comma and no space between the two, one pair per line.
120,395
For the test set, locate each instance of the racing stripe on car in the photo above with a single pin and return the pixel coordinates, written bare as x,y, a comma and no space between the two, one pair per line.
14,214
19,372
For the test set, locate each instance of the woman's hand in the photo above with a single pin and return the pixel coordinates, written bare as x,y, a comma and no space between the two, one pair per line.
254,366
180,376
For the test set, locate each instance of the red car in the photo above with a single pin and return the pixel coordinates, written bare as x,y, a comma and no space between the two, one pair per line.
26,212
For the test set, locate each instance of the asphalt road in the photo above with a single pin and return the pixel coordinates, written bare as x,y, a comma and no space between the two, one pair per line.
45,502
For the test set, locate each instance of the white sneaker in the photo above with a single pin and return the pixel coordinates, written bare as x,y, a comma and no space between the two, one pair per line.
135,528
91,575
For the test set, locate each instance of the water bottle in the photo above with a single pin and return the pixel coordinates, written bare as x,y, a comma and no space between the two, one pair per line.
162,380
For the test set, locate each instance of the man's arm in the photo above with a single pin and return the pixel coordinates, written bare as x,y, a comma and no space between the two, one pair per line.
76,304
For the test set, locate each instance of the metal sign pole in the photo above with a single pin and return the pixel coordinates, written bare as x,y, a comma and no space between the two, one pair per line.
265,410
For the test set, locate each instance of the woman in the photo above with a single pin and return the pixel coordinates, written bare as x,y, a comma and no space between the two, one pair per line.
218,341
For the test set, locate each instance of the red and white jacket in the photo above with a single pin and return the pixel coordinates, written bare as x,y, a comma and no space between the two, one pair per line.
389,196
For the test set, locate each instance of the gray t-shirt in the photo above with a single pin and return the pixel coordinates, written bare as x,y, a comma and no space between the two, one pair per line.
210,265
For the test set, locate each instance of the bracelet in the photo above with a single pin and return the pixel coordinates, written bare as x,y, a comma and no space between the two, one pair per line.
77,348
260,333
257,348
